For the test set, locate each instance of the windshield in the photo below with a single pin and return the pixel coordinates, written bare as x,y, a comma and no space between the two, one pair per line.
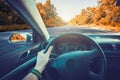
95,16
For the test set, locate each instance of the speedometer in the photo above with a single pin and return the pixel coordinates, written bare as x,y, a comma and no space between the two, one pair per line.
62,48
81,47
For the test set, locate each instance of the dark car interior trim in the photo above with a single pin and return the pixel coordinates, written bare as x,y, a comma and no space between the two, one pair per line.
17,57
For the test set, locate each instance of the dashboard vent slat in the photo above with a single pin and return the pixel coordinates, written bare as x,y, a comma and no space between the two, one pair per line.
107,47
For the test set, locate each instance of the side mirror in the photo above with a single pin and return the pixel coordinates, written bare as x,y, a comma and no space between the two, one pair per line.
20,38
117,2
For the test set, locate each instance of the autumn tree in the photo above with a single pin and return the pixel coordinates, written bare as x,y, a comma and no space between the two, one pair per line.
49,14
105,13
47,11
83,18
7,15
110,11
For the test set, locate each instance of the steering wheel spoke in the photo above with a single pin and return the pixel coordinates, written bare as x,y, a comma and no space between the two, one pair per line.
92,54
94,76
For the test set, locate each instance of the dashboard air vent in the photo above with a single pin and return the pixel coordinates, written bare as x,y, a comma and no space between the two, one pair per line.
107,47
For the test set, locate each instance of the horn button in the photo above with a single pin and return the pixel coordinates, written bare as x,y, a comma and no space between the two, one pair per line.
72,64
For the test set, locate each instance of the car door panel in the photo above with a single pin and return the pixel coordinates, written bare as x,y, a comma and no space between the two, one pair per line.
15,58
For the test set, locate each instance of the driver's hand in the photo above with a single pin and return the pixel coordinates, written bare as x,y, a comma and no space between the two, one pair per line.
42,59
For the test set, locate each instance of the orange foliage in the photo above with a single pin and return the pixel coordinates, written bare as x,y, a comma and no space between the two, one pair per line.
105,14
9,20
17,37
49,14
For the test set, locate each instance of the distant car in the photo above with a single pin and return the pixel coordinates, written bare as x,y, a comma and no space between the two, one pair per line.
78,54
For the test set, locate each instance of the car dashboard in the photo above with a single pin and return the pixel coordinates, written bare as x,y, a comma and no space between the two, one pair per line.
110,45
71,43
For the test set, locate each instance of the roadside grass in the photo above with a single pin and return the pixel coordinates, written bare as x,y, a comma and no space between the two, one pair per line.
25,26
102,27
109,28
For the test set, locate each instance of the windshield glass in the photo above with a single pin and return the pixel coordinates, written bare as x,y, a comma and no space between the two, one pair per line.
95,16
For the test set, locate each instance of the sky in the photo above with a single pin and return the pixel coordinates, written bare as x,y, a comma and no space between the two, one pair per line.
67,9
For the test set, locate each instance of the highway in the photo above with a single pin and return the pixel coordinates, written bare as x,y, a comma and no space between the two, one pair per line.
86,30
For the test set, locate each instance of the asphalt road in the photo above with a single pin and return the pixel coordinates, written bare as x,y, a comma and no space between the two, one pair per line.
5,46
60,30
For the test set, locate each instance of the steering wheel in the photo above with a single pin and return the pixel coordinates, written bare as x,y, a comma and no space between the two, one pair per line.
76,65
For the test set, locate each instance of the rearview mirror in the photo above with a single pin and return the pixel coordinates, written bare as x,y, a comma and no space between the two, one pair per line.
117,2
20,38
